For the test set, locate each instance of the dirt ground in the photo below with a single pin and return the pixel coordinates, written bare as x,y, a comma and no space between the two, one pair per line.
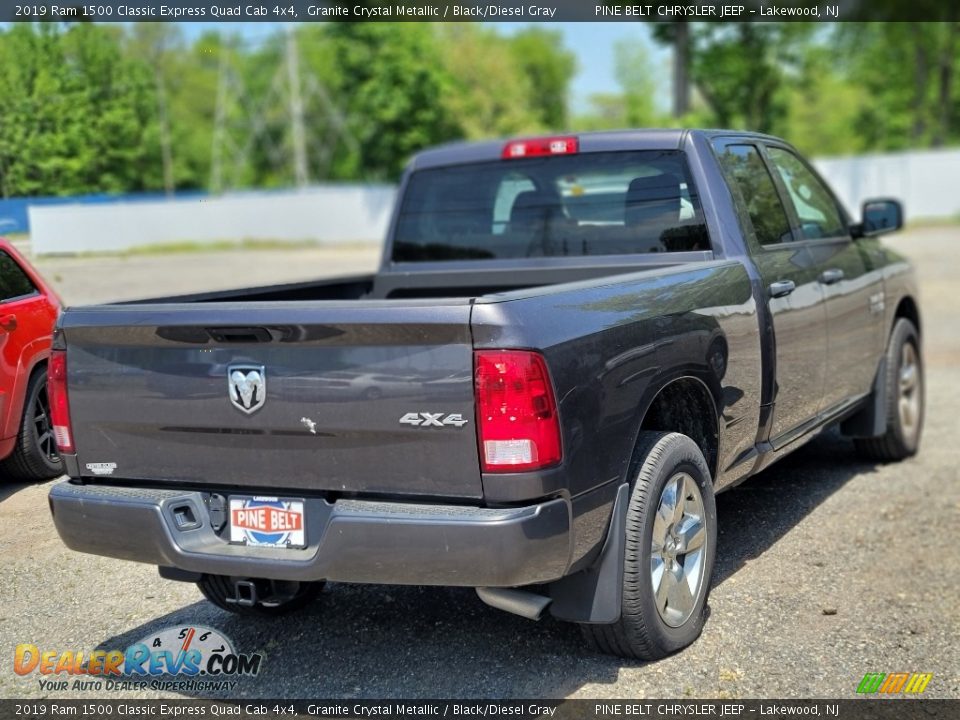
827,567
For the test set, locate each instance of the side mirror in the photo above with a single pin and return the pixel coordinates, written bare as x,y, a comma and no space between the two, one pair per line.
881,217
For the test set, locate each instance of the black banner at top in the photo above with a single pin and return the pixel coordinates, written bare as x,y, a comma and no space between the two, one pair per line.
470,11
115,708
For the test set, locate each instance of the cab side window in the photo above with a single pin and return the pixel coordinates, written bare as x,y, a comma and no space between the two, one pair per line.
14,282
748,173
818,213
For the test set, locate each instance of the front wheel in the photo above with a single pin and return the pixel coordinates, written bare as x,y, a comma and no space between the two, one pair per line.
671,538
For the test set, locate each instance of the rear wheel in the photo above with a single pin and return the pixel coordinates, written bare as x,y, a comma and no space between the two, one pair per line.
904,390
35,455
259,597
669,552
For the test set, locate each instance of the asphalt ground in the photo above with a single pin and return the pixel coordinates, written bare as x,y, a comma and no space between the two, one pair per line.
827,567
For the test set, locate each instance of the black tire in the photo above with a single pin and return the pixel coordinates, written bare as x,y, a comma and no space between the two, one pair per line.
641,632
901,439
35,455
217,588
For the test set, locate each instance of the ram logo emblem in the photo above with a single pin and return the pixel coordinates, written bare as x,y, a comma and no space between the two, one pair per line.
247,385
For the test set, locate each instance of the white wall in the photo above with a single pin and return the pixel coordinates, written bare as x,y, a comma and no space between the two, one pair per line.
926,182
334,214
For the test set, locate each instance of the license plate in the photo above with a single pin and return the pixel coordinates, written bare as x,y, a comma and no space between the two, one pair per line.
267,521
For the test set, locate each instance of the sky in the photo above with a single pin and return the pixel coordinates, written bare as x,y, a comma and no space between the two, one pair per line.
592,43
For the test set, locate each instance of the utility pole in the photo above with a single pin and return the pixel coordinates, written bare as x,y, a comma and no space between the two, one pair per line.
219,129
297,131
681,76
166,146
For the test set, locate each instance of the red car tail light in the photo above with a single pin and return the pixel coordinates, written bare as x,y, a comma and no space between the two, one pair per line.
517,420
59,403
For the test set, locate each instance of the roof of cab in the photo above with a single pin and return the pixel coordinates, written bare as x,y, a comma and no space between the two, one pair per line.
458,153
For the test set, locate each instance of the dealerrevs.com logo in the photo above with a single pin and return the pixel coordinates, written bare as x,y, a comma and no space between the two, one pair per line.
180,658
894,683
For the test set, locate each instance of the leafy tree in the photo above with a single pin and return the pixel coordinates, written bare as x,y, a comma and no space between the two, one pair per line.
549,66
742,70
908,71
485,95
75,116
824,107
634,106
391,84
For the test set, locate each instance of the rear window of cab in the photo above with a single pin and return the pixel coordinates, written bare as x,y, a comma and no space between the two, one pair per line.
608,203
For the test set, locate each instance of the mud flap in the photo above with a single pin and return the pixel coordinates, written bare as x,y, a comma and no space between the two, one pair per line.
594,595
871,421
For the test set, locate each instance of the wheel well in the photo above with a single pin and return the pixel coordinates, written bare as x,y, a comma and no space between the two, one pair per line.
686,406
908,309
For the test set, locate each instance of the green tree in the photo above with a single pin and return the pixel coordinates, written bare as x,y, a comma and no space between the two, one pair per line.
908,71
485,95
824,107
391,83
75,116
634,106
742,70
549,66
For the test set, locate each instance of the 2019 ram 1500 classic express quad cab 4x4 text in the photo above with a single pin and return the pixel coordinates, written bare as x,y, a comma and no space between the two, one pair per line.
571,345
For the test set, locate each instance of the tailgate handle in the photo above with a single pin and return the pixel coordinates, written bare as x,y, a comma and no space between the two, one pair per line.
240,334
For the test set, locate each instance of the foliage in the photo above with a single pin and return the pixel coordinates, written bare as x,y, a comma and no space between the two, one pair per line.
485,92
634,106
133,107
548,66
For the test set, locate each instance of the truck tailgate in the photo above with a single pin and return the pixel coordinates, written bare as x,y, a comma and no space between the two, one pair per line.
285,396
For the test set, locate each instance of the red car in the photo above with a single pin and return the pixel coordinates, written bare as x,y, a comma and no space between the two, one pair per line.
28,311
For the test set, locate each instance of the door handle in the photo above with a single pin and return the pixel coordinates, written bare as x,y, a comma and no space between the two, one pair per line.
8,323
831,276
782,288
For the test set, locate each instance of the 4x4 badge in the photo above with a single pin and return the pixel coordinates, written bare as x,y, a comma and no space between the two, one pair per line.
425,419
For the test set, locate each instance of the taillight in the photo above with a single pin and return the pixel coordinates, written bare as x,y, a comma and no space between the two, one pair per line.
59,404
540,147
517,419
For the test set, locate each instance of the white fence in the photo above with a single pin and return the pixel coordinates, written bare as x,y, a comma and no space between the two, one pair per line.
333,214
926,182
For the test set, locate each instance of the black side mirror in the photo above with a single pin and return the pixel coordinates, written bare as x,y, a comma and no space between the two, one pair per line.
881,217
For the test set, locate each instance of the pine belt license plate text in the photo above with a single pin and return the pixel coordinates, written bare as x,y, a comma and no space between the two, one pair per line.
267,521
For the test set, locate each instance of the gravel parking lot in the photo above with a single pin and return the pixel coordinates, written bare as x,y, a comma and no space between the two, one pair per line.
827,567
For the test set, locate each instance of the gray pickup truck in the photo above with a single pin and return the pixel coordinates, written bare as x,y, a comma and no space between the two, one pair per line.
573,343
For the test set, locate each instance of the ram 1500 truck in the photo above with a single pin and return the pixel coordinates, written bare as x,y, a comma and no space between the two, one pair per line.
571,345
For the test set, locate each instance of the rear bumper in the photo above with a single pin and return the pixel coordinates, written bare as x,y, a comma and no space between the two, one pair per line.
347,541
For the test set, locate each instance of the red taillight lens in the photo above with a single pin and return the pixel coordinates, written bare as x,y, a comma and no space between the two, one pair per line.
539,147
59,404
517,419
